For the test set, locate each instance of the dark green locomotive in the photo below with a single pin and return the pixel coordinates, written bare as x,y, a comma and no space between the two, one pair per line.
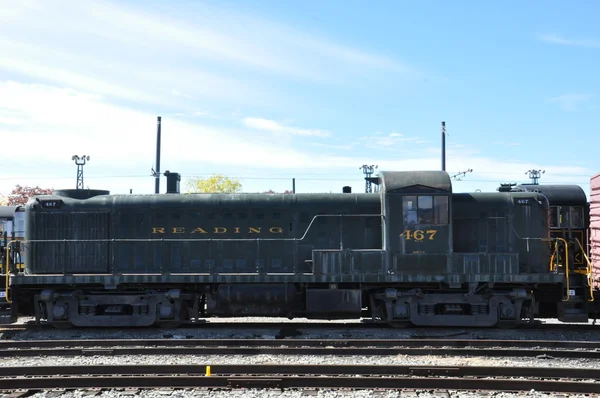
414,253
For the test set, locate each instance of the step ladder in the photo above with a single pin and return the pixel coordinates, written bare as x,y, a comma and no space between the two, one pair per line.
574,306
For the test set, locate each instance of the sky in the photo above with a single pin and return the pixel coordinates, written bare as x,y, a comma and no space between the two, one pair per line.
274,90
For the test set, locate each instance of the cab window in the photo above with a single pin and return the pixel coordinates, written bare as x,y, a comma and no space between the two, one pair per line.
425,209
566,217
576,217
554,217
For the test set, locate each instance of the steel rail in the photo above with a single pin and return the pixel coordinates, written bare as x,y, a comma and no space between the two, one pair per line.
317,351
288,376
365,324
356,343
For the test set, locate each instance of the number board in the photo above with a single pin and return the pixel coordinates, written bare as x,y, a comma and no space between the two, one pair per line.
522,202
419,234
51,204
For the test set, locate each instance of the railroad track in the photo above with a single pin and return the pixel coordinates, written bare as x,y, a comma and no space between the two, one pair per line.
564,380
364,324
356,347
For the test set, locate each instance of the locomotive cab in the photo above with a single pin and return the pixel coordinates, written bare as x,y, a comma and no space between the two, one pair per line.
417,227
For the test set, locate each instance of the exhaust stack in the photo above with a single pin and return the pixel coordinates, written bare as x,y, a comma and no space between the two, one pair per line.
173,180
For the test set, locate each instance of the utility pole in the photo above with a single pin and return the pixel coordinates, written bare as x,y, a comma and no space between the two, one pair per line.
443,146
459,176
368,171
535,175
80,162
156,174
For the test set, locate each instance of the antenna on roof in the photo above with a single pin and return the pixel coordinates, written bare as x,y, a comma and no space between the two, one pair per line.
368,171
80,162
535,175
458,176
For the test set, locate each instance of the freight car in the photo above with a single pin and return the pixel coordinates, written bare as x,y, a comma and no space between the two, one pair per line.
594,248
415,253
12,227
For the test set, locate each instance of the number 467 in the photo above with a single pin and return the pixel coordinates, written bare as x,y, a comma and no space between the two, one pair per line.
419,234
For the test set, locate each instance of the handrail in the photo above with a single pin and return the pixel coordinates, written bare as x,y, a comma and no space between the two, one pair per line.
566,266
7,271
553,267
590,271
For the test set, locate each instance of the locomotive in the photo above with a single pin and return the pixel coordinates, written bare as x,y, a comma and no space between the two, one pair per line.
415,253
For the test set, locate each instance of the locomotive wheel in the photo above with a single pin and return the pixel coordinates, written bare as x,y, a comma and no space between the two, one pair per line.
184,316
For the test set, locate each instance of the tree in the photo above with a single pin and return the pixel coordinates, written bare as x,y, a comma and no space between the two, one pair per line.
287,191
20,195
218,183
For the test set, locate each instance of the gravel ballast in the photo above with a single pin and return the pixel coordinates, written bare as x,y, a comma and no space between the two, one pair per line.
334,331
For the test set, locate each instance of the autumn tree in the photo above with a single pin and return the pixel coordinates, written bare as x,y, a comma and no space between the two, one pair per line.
20,195
217,183
287,191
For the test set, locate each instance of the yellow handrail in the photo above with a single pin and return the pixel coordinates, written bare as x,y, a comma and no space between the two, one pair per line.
7,270
553,267
590,271
566,265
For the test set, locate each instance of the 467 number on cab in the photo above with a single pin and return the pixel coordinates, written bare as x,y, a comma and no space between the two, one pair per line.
419,234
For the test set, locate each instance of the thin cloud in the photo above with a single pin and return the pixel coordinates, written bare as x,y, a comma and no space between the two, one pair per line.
125,78
556,39
507,143
570,102
391,141
333,146
209,37
275,127
44,116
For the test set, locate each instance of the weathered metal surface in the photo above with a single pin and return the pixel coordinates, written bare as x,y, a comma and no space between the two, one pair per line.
415,182
334,302
595,228
255,299
80,193
418,265
417,222
67,257
504,224
200,233
347,262
571,195
569,218
485,263
115,280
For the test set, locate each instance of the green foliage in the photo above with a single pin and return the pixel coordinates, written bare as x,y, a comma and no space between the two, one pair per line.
216,184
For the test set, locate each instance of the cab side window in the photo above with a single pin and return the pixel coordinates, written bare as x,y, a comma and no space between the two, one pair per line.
566,217
425,209
425,204
554,217
576,217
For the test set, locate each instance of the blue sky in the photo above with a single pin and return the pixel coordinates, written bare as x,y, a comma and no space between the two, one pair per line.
271,90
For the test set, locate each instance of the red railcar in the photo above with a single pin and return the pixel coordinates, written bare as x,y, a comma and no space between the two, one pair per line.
595,227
